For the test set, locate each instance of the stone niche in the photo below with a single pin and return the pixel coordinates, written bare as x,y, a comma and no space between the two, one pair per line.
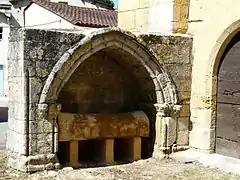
87,99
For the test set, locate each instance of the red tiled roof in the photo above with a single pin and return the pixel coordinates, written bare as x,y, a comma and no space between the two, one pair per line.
80,16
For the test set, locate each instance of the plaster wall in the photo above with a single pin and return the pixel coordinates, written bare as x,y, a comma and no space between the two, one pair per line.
4,50
17,19
48,19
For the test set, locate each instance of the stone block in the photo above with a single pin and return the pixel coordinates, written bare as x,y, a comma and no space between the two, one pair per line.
160,17
125,5
171,130
35,87
15,68
205,118
159,131
183,123
180,16
16,35
45,143
202,138
17,125
126,19
43,68
143,4
182,138
203,101
183,84
33,144
16,142
17,161
141,19
184,97
41,126
207,84
185,110
179,71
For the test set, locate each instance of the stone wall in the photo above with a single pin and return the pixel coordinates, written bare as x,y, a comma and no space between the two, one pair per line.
32,56
176,53
100,84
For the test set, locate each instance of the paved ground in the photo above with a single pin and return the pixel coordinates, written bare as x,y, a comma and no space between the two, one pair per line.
3,120
227,164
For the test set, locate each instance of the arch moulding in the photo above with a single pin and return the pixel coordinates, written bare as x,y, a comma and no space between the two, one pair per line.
167,100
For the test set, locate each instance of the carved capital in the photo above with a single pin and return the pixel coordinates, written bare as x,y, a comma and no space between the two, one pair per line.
161,109
175,110
166,110
42,111
46,111
54,110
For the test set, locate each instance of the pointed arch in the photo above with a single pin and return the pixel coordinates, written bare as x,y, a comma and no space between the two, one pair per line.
97,41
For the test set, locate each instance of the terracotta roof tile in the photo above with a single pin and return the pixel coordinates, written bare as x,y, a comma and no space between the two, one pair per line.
80,16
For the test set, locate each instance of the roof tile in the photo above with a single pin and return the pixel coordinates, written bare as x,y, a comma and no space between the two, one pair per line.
81,16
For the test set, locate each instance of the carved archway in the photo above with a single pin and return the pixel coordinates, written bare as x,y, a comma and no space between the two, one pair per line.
101,40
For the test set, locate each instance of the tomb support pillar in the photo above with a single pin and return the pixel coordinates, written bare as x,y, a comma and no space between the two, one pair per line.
136,148
108,151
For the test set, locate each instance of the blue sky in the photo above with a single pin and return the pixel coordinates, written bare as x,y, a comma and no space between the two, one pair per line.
115,2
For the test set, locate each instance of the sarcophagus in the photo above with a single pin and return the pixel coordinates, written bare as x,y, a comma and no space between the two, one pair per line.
91,126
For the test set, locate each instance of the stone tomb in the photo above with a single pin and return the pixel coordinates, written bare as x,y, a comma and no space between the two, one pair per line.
94,97
97,137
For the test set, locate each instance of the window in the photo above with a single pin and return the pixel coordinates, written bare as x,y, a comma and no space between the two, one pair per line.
1,33
1,80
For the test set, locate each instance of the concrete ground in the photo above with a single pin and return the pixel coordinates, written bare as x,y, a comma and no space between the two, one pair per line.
3,121
224,163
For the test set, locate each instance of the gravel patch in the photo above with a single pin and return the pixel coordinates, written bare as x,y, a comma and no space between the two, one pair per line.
155,169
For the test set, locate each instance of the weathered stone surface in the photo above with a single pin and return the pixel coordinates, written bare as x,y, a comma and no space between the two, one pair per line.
91,126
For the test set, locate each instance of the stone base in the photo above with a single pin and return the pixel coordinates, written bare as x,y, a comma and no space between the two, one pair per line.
32,163
164,152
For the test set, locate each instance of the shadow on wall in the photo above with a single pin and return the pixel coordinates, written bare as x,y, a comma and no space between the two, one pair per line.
3,114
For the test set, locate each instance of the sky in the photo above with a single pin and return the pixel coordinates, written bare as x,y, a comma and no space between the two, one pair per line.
116,2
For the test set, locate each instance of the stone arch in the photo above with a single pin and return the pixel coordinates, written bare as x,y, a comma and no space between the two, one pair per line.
163,97
100,40
204,106
216,60
220,46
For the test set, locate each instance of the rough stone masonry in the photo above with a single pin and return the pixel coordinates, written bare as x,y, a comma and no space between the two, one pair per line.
105,73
